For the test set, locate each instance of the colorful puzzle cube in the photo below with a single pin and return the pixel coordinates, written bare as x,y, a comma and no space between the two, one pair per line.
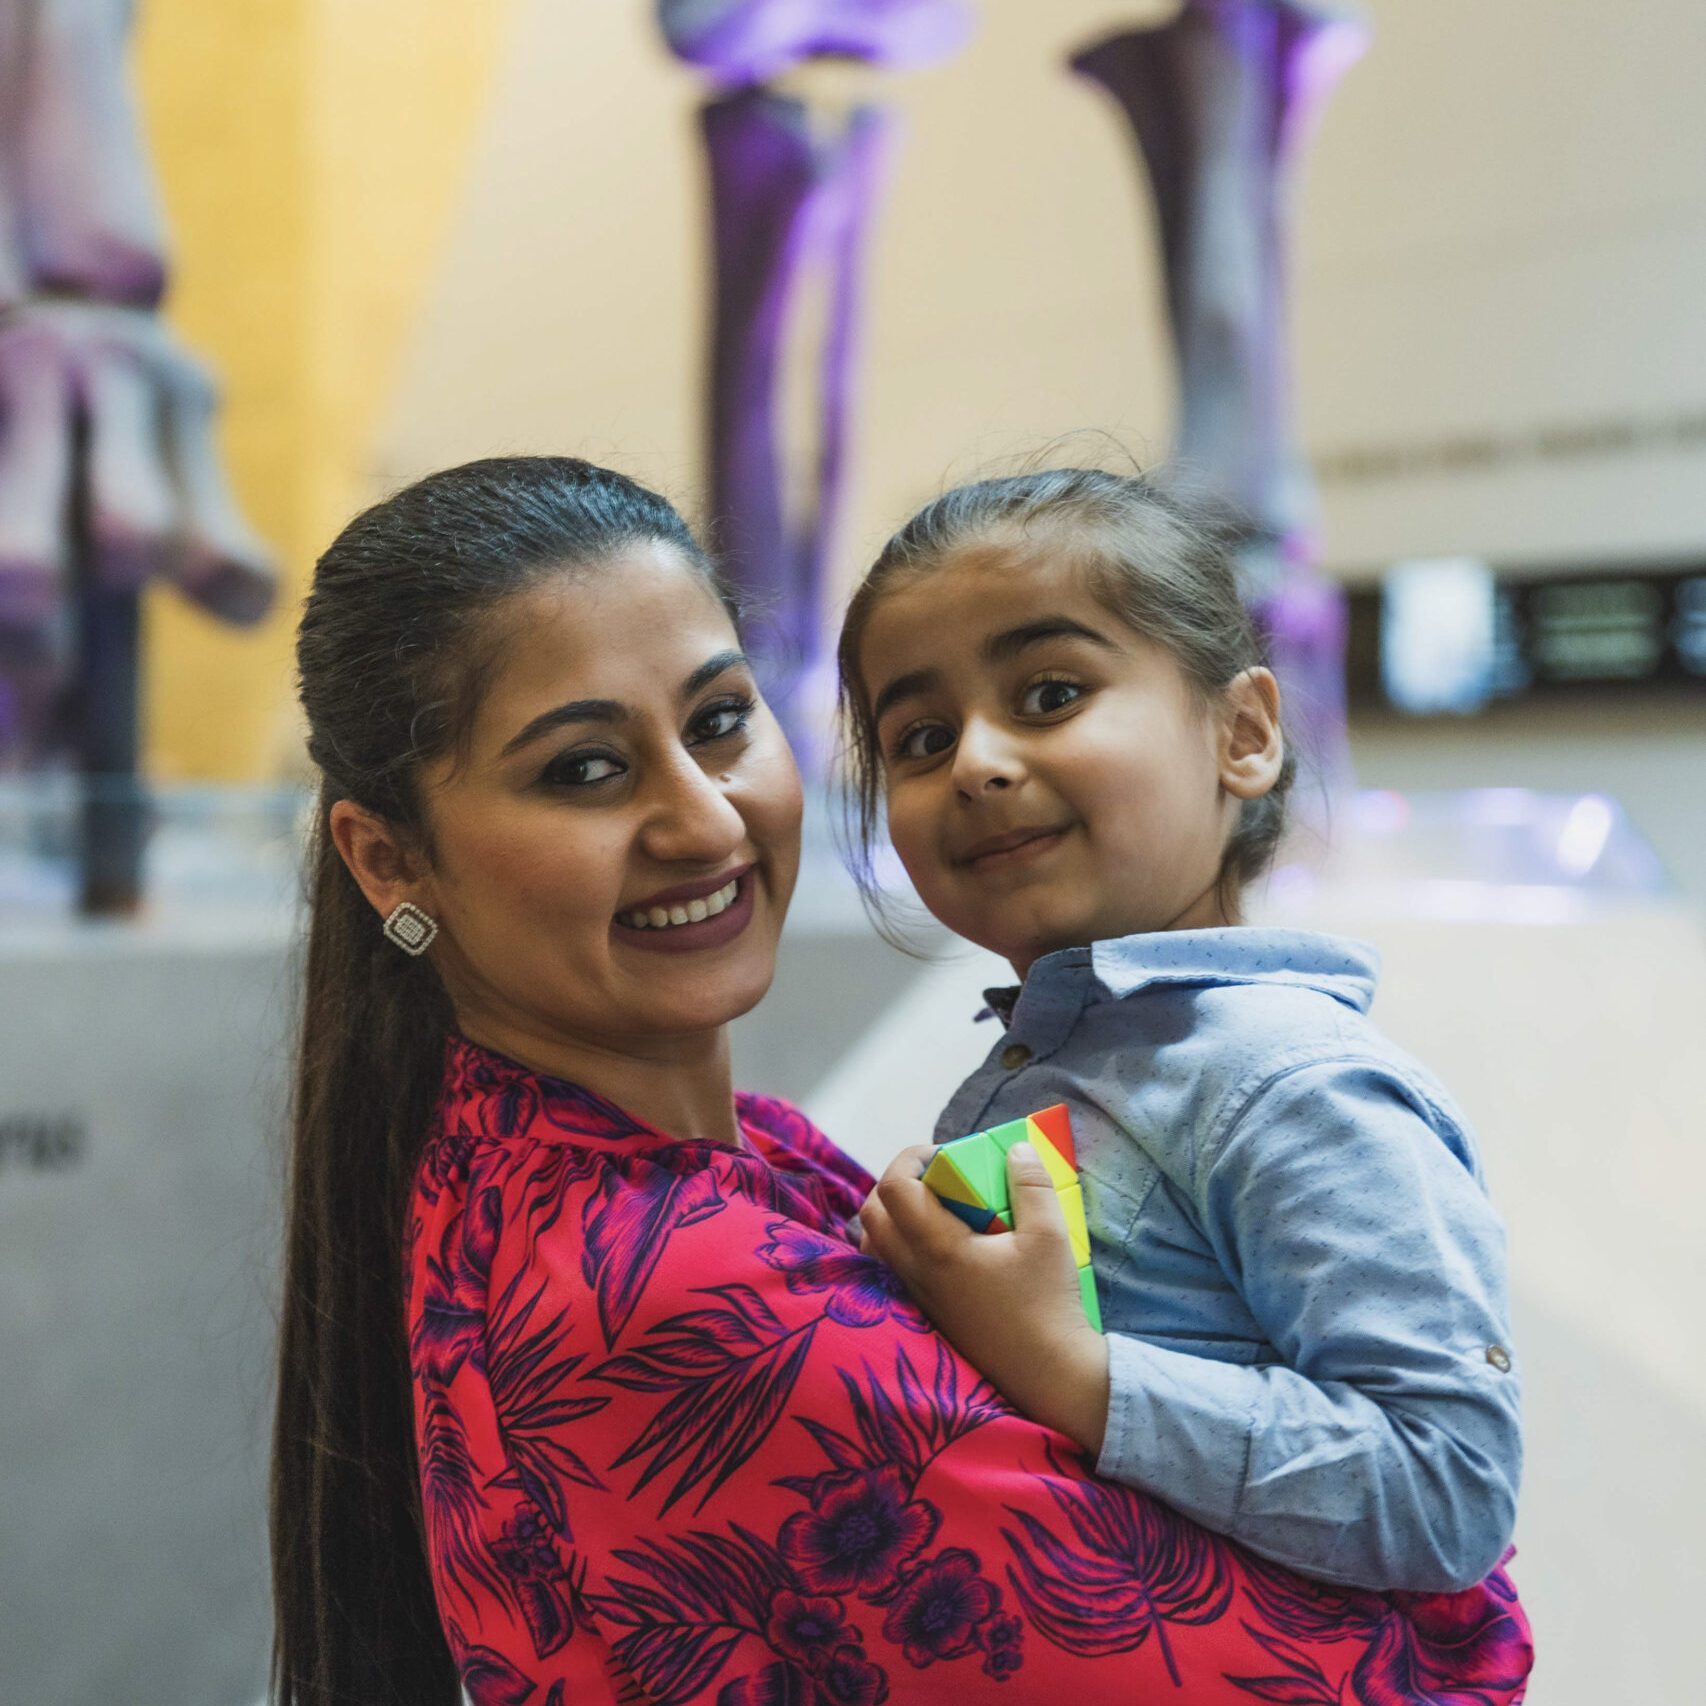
970,1177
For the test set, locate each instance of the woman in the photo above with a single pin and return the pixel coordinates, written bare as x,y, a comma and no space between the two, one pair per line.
586,1392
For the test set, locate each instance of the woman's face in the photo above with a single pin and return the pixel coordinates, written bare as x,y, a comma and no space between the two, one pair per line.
614,851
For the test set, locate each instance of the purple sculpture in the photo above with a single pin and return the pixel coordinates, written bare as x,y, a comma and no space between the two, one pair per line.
1221,99
790,199
744,42
108,471
782,202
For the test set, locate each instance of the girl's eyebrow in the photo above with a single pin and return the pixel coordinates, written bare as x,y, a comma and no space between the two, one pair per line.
911,686
998,648
610,710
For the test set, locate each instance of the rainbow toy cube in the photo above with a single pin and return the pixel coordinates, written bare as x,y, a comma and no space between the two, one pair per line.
970,1177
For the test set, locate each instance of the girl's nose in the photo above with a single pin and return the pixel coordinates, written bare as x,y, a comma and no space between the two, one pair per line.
984,760
691,819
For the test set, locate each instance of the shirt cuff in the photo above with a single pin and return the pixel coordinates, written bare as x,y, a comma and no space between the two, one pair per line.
1178,1427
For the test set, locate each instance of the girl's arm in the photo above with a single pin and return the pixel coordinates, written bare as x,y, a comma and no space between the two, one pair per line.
1386,1450
1010,1303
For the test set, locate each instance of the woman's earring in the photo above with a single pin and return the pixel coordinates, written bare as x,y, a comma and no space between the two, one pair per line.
411,929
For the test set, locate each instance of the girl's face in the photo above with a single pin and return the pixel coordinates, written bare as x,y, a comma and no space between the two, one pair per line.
1051,779
614,851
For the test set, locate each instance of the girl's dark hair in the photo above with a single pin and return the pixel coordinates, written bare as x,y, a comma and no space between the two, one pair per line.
1162,563
396,644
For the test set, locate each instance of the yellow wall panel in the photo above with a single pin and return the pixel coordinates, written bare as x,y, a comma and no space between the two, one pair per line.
223,100
398,91
310,152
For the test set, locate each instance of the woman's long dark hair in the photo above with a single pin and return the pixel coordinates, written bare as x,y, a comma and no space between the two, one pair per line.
396,642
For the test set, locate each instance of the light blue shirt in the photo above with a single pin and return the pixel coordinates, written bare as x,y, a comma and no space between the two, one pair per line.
1301,1277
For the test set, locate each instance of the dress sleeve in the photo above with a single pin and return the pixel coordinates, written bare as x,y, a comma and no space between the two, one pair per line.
1386,1450
682,1444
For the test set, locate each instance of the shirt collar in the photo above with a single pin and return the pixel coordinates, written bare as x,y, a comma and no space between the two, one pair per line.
1124,965
487,1095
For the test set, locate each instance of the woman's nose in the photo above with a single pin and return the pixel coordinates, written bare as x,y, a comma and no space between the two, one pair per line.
985,759
691,817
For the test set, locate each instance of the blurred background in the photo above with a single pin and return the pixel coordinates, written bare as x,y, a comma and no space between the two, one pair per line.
402,236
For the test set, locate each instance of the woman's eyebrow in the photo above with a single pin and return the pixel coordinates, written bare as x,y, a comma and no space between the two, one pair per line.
575,711
998,648
610,710
711,668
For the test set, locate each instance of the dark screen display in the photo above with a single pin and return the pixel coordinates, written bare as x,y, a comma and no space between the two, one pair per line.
1568,631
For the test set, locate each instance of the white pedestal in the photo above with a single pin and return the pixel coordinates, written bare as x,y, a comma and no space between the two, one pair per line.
141,1080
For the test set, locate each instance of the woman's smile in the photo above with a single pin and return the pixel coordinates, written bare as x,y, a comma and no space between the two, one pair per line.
687,903
690,919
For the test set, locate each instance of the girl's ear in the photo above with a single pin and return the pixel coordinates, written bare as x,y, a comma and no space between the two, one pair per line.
383,864
1252,746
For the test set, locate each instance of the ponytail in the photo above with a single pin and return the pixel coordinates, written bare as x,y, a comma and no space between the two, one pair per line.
355,1616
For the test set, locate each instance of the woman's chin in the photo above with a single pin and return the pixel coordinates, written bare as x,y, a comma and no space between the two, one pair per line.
700,976
715,1002
681,993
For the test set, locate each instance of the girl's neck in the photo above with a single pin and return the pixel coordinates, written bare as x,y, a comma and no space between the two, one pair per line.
681,1085
1210,910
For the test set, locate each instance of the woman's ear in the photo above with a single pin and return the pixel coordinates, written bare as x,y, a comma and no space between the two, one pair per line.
1252,746
384,865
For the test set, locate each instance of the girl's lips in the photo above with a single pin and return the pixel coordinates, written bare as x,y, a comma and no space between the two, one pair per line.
689,938
1013,850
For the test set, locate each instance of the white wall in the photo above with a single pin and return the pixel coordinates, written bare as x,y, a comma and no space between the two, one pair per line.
1506,231
1503,232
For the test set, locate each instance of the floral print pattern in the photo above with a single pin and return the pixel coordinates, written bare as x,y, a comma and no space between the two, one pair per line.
682,1445
860,1293
860,1532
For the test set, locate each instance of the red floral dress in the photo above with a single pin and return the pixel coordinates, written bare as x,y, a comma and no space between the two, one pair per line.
680,1442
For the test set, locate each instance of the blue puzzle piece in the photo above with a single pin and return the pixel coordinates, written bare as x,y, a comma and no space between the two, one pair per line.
978,1219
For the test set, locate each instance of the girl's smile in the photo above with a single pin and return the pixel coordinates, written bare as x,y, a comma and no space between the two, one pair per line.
1016,848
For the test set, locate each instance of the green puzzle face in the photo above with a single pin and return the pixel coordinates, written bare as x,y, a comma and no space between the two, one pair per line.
973,1170
970,1176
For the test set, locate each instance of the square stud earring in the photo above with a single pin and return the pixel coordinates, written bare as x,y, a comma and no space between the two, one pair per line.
411,929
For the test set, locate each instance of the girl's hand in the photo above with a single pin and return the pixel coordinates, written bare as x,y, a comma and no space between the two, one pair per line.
1007,1301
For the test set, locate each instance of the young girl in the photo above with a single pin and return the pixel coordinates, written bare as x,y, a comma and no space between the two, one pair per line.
1054,695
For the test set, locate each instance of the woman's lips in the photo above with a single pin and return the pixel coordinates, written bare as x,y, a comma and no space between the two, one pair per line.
685,893
711,931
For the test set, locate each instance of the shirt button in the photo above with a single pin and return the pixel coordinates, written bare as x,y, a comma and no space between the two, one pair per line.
1014,1056
1500,1358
